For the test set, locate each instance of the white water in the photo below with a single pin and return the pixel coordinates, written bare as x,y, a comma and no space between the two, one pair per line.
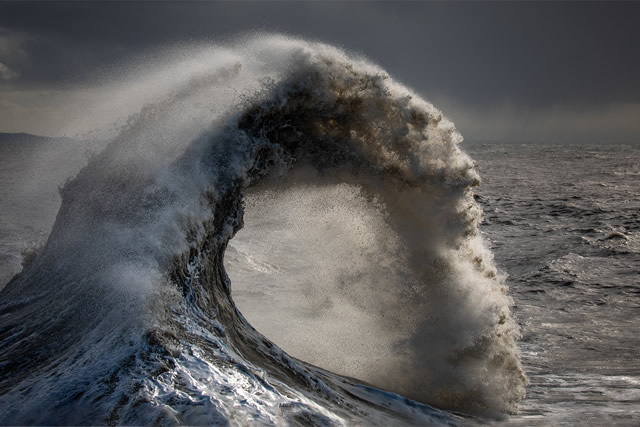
132,267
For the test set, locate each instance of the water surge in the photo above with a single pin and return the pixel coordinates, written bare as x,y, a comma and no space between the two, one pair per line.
126,314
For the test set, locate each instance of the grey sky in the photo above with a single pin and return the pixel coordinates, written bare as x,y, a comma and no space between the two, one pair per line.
505,71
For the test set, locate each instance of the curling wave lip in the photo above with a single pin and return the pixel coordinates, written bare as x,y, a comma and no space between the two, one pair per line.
126,316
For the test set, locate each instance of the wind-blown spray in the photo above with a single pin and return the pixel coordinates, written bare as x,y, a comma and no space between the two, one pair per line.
132,288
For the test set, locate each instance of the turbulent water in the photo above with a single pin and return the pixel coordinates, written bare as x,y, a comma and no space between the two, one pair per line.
360,251
564,222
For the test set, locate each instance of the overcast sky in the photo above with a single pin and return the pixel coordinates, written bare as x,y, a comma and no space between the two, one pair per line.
559,72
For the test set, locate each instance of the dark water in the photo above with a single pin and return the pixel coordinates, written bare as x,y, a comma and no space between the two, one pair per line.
564,223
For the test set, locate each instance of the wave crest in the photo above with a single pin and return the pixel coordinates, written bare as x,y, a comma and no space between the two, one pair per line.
155,211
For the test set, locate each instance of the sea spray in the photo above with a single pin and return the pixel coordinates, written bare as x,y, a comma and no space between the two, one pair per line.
133,269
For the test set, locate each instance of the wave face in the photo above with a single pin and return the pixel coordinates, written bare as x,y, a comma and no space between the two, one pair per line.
126,314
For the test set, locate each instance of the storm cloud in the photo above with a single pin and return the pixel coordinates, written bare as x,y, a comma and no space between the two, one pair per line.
501,71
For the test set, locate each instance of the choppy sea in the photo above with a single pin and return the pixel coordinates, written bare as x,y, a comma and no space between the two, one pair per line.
563,222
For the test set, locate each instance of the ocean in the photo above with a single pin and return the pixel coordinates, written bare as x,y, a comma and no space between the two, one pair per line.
563,223
393,274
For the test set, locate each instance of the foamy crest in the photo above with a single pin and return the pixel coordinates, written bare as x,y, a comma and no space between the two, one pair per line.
136,254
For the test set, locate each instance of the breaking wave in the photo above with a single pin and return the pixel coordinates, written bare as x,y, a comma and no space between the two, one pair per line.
126,314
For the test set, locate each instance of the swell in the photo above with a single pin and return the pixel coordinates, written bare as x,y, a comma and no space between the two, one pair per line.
134,263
